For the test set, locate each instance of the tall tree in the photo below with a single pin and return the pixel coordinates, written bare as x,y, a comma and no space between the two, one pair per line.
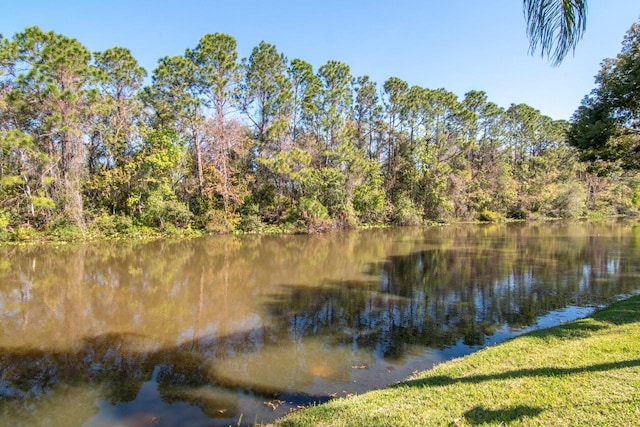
305,86
265,98
217,75
367,115
395,90
606,127
522,125
492,185
444,145
175,100
334,101
119,78
116,132
52,92
266,95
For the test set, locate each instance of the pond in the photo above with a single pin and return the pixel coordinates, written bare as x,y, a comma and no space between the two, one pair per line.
237,330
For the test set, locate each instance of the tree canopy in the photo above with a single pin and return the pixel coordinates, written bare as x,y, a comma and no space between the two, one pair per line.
606,126
266,143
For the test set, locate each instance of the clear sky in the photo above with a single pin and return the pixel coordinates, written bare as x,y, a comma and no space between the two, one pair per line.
459,45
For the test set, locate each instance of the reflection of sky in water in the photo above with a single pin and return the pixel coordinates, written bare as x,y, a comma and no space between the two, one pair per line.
554,318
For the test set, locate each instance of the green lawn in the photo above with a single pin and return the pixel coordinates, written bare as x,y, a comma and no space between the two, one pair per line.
582,373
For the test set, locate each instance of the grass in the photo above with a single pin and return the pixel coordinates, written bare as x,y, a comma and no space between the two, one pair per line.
583,373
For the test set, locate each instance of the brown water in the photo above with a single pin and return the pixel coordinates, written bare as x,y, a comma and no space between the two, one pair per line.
236,330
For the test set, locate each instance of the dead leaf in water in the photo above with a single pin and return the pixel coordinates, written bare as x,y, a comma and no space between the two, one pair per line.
321,371
274,404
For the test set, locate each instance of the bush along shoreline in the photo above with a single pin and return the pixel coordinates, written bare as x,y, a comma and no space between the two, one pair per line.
585,372
116,228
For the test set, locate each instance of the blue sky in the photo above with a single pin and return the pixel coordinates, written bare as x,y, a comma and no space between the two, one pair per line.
456,44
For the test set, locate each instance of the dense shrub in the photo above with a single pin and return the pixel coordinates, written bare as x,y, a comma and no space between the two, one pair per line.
217,222
111,225
368,203
405,212
490,216
162,206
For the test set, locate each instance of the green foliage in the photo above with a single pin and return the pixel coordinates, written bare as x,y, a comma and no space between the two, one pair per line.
405,212
162,155
161,206
567,201
218,222
43,202
636,196
327,186
311,216
265,95
83,141
332,102
310,207
614,198
154,170
368,203
215,58
23,233
15,138
555,26
250,221
490,216
113,225
369,196
5,220
436,199
605,127
11,180
63,231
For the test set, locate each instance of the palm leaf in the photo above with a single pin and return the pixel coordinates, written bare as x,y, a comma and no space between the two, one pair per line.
555,26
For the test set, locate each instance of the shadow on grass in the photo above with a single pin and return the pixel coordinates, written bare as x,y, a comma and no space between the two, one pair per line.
480,415
443,380
577,329
621,313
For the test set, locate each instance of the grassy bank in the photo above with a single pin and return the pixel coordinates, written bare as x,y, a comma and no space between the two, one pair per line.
581,373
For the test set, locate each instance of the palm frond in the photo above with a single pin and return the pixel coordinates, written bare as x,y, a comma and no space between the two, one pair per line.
555,26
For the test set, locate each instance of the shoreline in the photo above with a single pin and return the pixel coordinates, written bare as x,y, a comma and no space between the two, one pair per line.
67,236
551,376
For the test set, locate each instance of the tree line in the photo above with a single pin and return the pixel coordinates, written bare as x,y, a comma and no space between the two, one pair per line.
223,144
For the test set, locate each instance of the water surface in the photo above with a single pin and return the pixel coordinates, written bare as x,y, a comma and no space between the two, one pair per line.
229,330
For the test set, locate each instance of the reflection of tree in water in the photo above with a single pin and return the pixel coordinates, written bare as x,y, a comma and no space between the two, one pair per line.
52,300
464,291
353,314
119,365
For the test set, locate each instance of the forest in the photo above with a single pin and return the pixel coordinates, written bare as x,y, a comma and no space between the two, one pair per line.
210,142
